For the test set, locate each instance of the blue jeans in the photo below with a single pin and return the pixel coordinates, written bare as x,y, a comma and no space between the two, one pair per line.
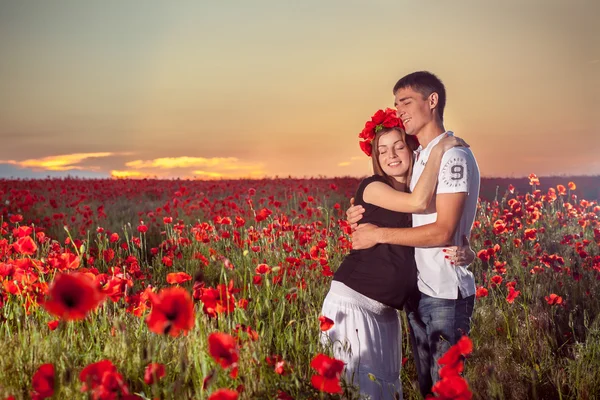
435,325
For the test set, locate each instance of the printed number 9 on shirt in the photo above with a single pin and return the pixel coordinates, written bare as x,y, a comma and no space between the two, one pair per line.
457,171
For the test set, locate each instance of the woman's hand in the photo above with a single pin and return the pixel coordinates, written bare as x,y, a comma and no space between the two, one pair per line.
460,255
450,141
354,214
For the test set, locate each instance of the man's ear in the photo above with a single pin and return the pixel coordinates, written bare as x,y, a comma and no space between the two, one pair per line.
433,100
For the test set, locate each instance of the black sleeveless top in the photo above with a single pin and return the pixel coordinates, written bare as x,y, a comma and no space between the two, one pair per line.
386,272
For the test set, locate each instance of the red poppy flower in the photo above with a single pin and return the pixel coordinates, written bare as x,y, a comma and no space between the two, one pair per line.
496,279
481,292
25,246
43,382
463,347
512,294
533,180
178,277
153,373
391,120
281,395
378,117
22,231
172,312
73,296
452,388
554,299
218,301
530,234
572,186
368,132
243,304
325,323
103,380
366,147
239,222
167,261
224,394
329,371
262,269
16,218
69,261
483,255
263,214
53,324
223,348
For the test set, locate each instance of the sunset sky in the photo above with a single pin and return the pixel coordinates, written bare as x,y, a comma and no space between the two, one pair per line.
273,87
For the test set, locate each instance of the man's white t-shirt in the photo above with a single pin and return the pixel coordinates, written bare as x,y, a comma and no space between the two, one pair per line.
459,173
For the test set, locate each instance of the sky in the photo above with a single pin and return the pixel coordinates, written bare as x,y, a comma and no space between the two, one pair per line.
237,88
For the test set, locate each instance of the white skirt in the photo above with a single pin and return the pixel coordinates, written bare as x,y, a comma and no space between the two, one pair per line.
367,337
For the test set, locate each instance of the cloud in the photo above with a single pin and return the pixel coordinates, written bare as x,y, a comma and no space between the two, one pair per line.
208,174
64,162
214,168
127,174
15,172
352,160
186,162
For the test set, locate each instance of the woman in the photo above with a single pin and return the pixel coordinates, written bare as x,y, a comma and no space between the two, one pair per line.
372,284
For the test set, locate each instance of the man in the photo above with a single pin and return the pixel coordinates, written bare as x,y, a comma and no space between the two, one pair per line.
447,292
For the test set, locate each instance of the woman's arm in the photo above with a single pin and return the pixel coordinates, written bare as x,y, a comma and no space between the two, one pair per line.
382,195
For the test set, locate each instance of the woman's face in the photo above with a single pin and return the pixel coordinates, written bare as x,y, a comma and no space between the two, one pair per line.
394,155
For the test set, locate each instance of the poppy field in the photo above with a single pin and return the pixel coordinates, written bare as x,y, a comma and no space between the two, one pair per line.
177,289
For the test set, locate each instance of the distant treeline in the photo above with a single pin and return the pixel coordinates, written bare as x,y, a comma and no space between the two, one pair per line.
588,187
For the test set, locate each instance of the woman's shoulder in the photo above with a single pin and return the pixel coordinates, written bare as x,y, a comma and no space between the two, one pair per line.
373,178
365,182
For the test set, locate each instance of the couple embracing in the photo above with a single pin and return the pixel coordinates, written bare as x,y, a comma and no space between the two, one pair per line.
410,222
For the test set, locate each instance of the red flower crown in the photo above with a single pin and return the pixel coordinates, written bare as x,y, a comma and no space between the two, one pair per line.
381,119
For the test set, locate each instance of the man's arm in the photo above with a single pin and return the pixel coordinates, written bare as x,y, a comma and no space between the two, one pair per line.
437,234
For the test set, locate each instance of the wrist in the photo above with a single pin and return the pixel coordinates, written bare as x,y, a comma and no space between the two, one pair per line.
379,235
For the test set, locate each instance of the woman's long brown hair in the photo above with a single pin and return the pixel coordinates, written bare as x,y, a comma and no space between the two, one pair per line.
409,141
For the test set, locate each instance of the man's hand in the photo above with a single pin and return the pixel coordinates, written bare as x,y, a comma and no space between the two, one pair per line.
354,214
364,236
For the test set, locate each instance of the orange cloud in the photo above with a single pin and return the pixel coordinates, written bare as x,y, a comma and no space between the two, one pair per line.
58,163
183,162
126,174
215,167
348,163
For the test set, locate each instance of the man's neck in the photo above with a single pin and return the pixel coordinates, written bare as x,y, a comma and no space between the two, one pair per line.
430,132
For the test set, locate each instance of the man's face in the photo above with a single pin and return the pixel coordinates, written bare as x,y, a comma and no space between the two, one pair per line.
413,110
